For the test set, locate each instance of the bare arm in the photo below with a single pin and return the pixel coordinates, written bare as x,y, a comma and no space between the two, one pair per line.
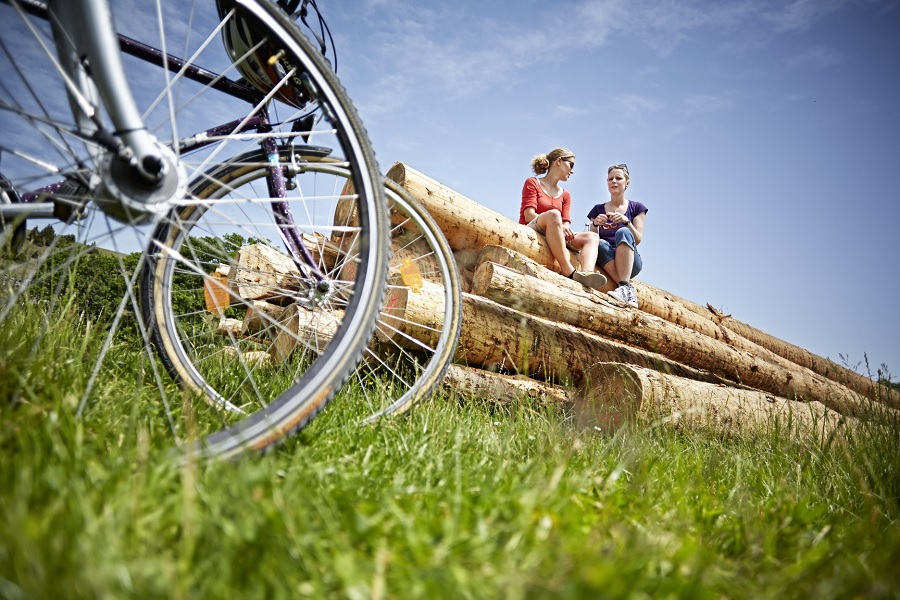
530,213
637,227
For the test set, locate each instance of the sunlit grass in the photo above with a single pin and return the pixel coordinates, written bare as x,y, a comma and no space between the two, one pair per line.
453,501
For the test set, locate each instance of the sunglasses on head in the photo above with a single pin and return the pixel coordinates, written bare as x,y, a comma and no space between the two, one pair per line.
623,166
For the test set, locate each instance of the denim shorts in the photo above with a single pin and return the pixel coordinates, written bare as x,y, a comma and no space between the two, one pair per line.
607,252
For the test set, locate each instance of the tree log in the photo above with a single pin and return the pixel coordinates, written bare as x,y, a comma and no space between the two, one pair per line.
468,225
324,252
496,337
702,320
709,322
216,293
229,327
262,273
410,246
257,358
478,384
260,316
589,311
614,393
650,300
412,319
299,326
823,366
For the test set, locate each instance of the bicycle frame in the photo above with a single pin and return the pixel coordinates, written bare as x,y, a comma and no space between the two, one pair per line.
38,204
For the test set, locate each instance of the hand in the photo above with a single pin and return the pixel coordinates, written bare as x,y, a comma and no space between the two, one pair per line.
617,218
568,234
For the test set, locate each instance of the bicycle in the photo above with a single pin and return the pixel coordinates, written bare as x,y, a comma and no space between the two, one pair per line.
118,187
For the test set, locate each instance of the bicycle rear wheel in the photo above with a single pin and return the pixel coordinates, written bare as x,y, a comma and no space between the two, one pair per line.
261,332
79,267
421,318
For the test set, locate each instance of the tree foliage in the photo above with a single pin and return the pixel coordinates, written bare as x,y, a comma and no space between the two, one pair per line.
95,280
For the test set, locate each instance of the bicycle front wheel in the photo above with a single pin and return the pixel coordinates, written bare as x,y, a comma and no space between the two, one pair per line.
75,273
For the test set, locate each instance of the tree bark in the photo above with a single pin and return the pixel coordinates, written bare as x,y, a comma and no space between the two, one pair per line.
499,338
590,311
467,225
478,384
412,319
615,393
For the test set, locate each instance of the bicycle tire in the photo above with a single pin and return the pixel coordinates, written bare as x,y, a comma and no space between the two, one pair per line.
44,148
412,350
402,364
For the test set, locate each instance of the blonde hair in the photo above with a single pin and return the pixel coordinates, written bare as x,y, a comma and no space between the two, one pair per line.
540,164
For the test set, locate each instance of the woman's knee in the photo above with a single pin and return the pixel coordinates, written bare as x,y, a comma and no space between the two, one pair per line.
587,238
625,236
551,218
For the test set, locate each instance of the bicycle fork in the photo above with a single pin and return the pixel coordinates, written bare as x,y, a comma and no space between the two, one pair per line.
140,177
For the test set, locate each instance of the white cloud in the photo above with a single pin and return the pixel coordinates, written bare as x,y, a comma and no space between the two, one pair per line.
443,53
578,111
633,107
800,15
707,103
816,57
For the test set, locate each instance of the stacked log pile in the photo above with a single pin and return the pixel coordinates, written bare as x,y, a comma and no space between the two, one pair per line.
527,330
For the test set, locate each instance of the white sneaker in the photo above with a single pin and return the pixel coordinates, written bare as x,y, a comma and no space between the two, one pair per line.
625,293
632,296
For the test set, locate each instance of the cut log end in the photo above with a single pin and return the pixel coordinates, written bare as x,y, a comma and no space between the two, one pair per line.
481,279
397,173
610,396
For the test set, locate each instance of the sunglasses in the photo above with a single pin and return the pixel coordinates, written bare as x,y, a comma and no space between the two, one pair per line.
623,166
571,163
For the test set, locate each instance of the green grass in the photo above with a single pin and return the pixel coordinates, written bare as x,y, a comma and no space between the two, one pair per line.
452,501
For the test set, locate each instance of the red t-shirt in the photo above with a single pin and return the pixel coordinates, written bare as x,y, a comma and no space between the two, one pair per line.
534,196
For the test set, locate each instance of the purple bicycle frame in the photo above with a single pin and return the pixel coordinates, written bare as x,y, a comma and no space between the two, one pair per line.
274,180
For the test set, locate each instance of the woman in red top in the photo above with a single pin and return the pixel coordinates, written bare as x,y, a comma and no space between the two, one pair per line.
545,208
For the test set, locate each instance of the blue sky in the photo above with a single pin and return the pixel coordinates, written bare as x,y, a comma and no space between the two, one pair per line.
763,136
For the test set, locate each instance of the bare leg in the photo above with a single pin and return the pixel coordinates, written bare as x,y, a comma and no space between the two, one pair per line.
619,269
624,262
586,242
551,223
612,272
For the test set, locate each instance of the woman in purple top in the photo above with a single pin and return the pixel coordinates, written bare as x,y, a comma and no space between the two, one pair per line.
620,225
